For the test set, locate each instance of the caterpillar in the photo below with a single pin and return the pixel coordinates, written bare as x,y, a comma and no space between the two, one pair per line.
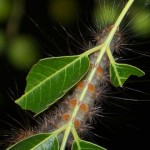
70,102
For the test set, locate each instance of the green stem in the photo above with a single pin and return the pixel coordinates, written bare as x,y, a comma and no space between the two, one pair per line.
110,56
105,45
107,42
92,50
58,131
102,48
66,134
113,64
76,137
119,20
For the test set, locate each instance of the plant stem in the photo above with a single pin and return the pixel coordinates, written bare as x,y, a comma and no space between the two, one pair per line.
76,137
110,56
107,42
66,134
103,47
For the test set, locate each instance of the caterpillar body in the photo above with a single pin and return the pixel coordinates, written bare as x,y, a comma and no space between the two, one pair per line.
53,120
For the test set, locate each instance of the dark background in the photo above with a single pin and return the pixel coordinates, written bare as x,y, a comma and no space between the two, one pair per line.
125,123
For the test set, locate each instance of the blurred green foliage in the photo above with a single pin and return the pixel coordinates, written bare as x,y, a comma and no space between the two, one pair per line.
141,22
5,9
23,52
104,14
139,16
63,11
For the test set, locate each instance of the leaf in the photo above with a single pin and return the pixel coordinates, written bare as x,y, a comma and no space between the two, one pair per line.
50,79
119,73
37,142
85,145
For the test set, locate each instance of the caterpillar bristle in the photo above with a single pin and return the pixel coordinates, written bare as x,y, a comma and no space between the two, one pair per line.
61,114
20,134
91,108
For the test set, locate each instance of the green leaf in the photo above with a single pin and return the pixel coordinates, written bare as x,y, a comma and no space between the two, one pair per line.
119,73
85,145
50,79
37,142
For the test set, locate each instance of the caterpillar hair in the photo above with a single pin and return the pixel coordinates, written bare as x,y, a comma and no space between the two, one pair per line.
112,117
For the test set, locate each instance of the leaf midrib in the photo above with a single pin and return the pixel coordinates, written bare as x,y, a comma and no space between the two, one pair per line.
78,57
117,75
43,141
